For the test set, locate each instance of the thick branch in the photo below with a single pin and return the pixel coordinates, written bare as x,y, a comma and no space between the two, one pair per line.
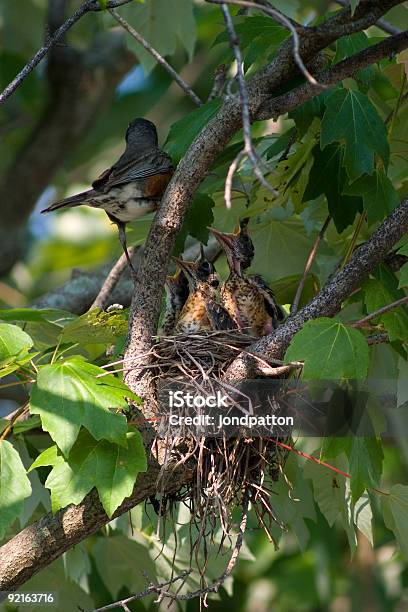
38,545
274,107
329,300
210,142
42,542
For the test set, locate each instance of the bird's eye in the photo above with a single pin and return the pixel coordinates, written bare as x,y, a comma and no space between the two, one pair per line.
214,282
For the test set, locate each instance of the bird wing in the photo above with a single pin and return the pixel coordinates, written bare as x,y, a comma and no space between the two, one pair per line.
219,316
127,170
271,306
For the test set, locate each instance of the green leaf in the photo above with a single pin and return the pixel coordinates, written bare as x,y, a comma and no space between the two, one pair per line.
329,350
183,132
378,193
259,36
148,19
33,314
15,486
328,176
14,342
376,295
395,511
348,46
351,118
68,395
95,327
403,280
329,489
304,114
103,3
354,4
363,517
365,464
199,216
279,236
110,468
120,560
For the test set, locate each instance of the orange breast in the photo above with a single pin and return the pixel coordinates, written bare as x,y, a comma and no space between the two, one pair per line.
156,185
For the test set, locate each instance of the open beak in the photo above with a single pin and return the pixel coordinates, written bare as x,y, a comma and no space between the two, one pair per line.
187,266
225,240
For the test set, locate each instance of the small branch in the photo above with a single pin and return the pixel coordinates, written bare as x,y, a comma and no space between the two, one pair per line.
274,107
42,52
286,23
86,7
153,588
14,418
309,263
378,339
381,23
159,58
104,295
380,311
248,150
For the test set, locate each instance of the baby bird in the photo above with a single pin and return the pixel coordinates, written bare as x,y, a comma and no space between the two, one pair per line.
201,310
247,298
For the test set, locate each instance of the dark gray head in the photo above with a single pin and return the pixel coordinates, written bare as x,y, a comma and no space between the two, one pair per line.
141,133
238,246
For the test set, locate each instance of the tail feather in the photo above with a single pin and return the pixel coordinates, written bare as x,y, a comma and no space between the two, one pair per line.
75,200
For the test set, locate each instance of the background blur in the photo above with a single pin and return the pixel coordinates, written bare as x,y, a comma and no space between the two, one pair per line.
58,132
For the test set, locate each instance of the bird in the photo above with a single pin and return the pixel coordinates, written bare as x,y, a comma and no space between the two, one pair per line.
248,298
133,186
176,287
201,311
177,291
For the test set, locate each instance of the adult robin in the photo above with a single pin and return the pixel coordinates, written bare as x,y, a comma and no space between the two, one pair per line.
247,298
201,312
133,186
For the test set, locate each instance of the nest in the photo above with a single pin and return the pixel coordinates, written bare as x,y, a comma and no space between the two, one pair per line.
227,471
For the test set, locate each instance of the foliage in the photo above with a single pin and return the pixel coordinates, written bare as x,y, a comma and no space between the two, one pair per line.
343,154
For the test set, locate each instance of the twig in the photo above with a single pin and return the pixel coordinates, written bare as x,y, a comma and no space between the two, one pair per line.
378,339
86,7
248,150
380,311
10,426
309,263
102,299
286,23
153,588
159,58
381,23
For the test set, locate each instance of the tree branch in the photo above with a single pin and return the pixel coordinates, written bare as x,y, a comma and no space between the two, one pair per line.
274,107
79,84
159,58
39,544
42,542
308,265
329,300
380,311
381,23
105,294
86,7
211,141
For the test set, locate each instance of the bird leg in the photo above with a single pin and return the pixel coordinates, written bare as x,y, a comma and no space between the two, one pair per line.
122,238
